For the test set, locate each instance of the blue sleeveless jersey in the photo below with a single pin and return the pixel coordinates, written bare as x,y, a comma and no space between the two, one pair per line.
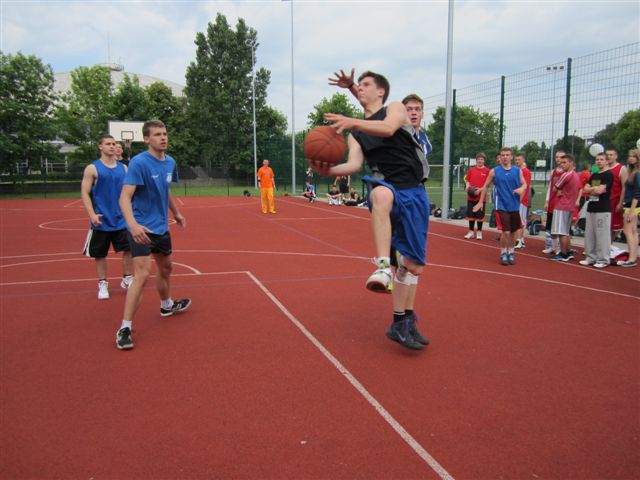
506,181
105,196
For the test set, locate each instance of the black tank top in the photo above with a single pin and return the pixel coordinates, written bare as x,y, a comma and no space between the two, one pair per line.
393,158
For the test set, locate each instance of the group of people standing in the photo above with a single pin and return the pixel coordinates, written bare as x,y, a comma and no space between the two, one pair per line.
611,194
128,209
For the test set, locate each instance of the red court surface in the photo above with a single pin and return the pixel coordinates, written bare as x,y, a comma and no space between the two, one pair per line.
281,370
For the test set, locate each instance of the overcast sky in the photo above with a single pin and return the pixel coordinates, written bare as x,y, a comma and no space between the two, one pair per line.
405,40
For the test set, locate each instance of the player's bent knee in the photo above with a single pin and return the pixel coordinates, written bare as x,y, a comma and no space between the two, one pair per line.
407,278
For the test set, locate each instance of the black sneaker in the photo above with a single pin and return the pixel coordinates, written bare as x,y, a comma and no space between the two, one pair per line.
178,306
413,330
123,339
399,332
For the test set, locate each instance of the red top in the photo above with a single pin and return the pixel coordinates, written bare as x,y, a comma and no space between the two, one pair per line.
526,173
569,184
616,188
476,177
552,194
584,179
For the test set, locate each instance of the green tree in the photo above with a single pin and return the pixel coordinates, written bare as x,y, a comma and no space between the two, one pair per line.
84,114
26,121
473,131
338,103
623,134
130,102
219,97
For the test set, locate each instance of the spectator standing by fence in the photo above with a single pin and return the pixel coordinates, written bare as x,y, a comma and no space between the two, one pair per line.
267,181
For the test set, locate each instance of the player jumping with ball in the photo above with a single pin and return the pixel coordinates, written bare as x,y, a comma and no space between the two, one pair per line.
386,140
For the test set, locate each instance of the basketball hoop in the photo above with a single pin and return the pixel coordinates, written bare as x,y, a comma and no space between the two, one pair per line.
127,138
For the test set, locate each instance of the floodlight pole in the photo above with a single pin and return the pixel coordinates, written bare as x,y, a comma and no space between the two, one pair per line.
446,160
293,115
253,98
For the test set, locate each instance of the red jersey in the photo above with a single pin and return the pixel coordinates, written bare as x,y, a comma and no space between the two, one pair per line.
616,188
555,175
584,179
476,177
526,173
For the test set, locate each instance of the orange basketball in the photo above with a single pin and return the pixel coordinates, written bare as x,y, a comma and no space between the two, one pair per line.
323,144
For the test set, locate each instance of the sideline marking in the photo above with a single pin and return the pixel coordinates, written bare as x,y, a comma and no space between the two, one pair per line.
83,259
45,227
406,436
74,202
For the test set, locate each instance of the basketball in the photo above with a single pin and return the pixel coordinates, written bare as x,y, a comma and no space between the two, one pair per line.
323,144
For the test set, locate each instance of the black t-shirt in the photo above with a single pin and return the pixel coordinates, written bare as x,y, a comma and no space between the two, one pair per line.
600,203
394,157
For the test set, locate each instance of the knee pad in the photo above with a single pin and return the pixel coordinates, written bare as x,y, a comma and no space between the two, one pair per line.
406,277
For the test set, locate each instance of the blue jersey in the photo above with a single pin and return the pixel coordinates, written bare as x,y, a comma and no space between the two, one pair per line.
152,178
424,141
105,196
506,181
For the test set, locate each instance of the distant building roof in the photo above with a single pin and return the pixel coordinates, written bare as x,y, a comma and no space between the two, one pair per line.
62,81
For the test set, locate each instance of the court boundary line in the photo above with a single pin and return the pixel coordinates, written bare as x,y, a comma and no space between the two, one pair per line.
395,425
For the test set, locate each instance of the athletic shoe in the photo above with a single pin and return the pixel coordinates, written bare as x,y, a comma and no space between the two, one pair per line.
626,263
380,281
512,259
413,330
123,339
126,281
587,262
478,235
103,290
572,252
561,258
519,244
504,259
601,265
570,255
549,250
469,235
178,306
399,332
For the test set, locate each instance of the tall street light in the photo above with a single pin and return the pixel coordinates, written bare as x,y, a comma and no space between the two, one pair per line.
253,99
553,69
293,116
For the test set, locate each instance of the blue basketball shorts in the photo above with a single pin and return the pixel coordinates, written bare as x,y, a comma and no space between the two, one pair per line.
409,219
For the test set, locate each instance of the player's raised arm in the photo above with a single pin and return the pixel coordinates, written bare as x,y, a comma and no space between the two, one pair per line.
395,119
343,80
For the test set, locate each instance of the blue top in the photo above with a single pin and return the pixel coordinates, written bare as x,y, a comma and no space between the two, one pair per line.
152,178
105,195
506,181
424,141
632,190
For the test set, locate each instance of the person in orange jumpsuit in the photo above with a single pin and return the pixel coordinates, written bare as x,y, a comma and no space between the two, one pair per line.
267,180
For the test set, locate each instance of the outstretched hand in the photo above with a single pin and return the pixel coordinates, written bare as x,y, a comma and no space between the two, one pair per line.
340,122
343,80
320,167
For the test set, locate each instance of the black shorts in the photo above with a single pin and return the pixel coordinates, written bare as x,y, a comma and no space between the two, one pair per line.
97,243
159,244
508,221
476,216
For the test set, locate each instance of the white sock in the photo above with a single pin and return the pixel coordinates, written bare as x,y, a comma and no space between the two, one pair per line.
168,303
126,324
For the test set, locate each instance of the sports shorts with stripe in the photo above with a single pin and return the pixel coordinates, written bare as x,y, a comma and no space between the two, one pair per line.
98,241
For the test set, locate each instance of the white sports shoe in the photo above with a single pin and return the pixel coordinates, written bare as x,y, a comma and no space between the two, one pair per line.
103,290
380,281
586,262
469,235
126,281
601,265
478,235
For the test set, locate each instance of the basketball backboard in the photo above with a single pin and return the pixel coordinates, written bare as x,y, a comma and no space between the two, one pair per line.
126,131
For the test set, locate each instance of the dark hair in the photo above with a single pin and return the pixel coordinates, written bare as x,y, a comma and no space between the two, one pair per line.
481,154
149,124
506,149
102,138
611,149
413,97
569,157
380,81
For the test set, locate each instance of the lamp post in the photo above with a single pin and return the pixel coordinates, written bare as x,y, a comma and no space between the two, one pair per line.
553,69
293,116
253,99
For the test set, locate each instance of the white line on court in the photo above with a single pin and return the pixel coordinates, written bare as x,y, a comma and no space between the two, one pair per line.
45,227
400,430
72,203
82,259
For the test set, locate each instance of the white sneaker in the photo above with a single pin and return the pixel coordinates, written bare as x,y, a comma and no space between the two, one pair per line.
601,265
469,235
549,250
586,262
381,281
103,290
518,244
478,235
126,281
